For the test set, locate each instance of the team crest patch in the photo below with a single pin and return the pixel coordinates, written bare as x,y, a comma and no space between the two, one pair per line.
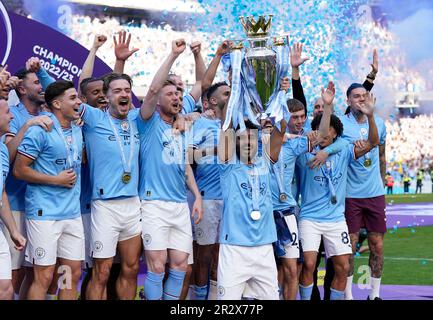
98,246
221,291
199,233
40,253
147,238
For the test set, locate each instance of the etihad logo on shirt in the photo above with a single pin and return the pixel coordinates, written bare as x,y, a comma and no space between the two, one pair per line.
248,190
323,181
126,138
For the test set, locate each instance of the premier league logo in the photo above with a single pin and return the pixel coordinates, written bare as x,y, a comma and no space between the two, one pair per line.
40,253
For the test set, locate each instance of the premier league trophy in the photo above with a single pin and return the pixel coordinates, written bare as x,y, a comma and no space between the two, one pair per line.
256,73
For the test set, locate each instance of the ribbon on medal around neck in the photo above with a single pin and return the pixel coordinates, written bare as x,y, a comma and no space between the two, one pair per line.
277,109
236,96
327,172
254,181
278,168
126,166
71,155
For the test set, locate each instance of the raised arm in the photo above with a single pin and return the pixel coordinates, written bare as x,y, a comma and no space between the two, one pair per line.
122,51
87,70
211,71
369,81
327,97
296,61
149,103
34,65
276,141
200,67
373,136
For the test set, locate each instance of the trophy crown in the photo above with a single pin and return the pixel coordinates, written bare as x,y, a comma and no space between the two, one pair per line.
259,28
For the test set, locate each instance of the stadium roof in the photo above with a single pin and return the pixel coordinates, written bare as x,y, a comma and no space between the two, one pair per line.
166,5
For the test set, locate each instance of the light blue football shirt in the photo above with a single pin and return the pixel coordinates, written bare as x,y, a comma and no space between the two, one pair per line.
104,155
4,164
237,226
188,104
206,135
285,168
162,160
50,156
315,192
363,181
15,188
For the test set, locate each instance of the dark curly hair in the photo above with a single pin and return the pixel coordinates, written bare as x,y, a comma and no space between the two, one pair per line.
335,123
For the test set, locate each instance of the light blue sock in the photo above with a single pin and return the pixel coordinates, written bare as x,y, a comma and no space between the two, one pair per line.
337,295
200,292
306,292
173,285
153,286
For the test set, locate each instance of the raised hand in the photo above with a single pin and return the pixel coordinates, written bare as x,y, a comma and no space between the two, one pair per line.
99,40
367,108
121,46
33,64
296,55
66,178
375,64
195,47
223,48
178,46
328,94
4,76
13,82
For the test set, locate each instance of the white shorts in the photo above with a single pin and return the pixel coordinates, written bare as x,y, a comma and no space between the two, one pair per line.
17,257
166,225
239,267
335,237
48,240
292,249
5,259
88,262
207,231
113,221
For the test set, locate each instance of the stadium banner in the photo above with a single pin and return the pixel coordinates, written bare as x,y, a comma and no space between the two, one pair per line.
63,58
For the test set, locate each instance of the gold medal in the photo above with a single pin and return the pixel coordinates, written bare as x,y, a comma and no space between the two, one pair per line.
283,197
367,163
255,215
126,177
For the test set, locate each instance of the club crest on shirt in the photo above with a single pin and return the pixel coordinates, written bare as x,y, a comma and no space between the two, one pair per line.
248,190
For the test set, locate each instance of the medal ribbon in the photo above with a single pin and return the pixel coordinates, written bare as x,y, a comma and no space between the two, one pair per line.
126,166
328,175
253,177
71,155
278,168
